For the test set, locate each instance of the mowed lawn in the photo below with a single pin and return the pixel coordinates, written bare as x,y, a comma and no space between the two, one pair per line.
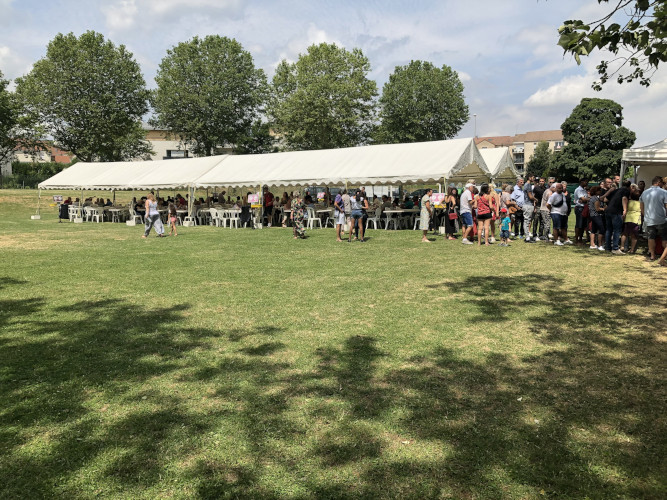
245,364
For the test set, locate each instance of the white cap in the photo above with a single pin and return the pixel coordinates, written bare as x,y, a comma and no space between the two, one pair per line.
468,185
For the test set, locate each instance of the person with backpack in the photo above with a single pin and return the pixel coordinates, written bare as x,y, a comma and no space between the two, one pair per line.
558,210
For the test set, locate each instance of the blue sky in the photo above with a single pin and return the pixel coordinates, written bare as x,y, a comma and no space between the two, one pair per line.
516,78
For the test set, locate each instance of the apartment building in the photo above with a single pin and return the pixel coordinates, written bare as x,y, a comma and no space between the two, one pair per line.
522,146
166,145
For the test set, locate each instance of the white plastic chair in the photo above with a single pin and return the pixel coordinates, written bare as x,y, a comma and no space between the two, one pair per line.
95,214
215,220
135,215
233,218
313,219
375,219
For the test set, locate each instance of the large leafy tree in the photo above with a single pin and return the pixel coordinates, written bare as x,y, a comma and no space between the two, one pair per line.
540,163
638,46
8,121
324,100
595,139
89,95
421,102
209,92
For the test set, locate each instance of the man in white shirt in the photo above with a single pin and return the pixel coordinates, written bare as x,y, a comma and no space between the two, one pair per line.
557,206
466,212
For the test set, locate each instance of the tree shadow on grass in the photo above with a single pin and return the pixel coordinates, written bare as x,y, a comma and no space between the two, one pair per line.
57,373
581,417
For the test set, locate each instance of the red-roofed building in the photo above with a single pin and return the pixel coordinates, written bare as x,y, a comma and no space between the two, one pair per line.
522,146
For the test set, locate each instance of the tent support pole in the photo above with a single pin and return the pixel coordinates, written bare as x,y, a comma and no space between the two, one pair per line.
39,200
261,205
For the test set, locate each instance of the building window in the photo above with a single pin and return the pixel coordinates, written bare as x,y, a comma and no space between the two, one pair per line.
558,145
176,153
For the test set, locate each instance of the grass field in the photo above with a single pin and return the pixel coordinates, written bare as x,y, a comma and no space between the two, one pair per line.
245,364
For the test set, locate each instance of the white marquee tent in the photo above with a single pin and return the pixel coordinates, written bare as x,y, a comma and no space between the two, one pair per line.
500,163
387,164
651,160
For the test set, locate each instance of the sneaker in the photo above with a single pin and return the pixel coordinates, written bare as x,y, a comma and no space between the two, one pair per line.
503,245
618,252
593,247
512,235
527,239
551,236
601,249
466,241
492,240
568,242
558,243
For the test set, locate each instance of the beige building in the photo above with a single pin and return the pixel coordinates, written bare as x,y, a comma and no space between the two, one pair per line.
522,146
166,145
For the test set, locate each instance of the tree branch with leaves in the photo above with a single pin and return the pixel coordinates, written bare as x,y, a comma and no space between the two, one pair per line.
639,46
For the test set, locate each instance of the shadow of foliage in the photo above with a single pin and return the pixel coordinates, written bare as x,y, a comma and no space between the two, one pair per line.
582,416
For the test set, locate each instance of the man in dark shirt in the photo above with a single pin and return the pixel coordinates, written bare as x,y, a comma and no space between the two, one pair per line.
538,192
614,214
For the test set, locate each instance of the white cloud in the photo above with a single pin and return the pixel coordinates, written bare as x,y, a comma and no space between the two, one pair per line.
12,65
299,44
463,76
121,15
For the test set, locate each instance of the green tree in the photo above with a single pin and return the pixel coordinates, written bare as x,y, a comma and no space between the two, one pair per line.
641,41
421,102
595,140
209,92
90,96
257,140
8,121
540,163
324,100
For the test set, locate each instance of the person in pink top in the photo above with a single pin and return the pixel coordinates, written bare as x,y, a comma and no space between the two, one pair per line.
483,205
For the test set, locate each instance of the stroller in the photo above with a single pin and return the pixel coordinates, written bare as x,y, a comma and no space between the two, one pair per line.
63,212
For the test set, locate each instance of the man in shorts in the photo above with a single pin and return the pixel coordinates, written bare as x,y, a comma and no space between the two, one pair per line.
653,206
558,208
466,212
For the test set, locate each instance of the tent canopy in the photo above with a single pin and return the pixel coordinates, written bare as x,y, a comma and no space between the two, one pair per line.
651,160
500,163
160,174
416,163
424,162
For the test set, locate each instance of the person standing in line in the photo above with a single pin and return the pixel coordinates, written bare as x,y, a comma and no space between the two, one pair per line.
505,227
580,200
632,220
268,205
152,217
595,213
495,210
339,214
566,218
450,213
364,213
528,206
298,216
558,208
518,197
425,215
538,193
483,205
653,206
545,213
617,207
466,213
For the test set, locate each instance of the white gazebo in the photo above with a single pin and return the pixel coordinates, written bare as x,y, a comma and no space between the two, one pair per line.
648,161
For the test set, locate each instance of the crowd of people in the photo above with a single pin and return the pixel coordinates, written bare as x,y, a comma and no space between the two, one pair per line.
608,216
